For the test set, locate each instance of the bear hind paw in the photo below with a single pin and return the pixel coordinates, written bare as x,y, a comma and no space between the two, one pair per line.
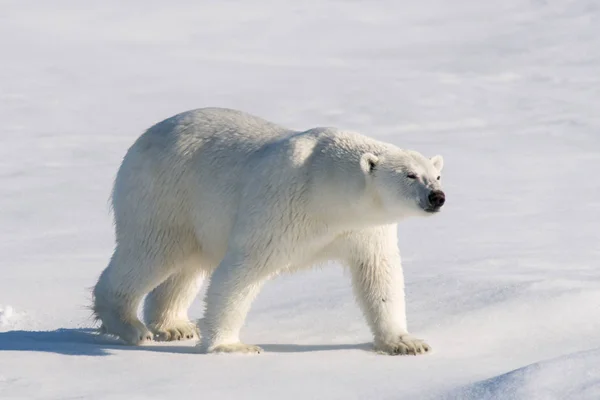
134,333
180,330
236,348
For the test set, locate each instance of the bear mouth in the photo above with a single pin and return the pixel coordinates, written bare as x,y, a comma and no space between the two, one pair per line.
432,210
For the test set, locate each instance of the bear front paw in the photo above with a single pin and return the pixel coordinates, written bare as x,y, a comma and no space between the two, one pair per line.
403,345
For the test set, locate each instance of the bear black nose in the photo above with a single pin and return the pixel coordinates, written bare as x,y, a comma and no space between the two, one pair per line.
437,198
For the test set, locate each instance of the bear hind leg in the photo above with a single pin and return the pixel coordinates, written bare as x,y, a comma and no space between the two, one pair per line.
166,307
118,293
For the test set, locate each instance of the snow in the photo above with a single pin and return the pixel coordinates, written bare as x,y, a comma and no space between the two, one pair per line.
7,315
574,376
503,284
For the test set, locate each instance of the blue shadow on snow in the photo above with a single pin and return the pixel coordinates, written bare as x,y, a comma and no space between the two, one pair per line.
87,342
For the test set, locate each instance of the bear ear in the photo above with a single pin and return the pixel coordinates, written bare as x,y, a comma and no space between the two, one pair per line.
438,162
368,162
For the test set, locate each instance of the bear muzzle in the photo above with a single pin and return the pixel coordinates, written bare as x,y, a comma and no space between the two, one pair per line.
436,198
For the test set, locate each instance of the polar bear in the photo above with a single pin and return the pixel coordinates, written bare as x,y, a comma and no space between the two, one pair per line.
223,194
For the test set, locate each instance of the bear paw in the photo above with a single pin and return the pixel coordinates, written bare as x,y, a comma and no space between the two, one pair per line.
133,333
403,345
236,348
179,330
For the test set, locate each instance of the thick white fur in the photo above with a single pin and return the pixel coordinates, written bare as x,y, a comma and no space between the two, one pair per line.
219,193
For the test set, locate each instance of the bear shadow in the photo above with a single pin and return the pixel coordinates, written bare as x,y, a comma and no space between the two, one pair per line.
78,342
87,342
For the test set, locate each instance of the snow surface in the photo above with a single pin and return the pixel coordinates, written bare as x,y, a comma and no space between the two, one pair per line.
504,284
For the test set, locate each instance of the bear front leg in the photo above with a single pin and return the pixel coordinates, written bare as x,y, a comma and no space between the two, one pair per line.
378,283
232,288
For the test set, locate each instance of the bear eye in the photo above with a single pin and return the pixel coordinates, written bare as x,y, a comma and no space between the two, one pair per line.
372,165
439,177
411,176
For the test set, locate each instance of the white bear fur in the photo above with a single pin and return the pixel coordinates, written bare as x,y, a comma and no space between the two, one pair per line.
222,194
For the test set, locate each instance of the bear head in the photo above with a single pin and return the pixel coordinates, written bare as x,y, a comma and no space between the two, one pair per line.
405,183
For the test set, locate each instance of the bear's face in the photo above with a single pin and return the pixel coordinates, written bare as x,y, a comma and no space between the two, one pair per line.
406,182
